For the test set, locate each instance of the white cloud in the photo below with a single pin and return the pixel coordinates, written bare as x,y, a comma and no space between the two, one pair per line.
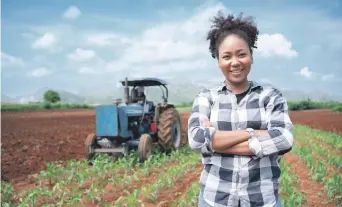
72,12
328,77
265,80
47,41
115,66
9,60
86,70
82,55
312,75
275,45
174,44
105,39
40,72
306,72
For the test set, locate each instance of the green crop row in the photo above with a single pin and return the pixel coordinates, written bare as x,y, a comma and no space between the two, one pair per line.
319,173
165,180
327,137
289,194
332,158
67,183
41,106
309,104
293,105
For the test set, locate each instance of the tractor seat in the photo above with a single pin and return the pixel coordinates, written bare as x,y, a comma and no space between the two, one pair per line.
135,96
149,108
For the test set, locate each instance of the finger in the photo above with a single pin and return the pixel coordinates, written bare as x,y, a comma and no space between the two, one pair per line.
205,122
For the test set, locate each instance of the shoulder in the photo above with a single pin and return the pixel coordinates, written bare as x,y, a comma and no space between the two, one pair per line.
210,91
269,94
268,89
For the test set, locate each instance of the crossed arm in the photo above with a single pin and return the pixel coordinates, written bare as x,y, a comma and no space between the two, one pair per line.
237,142
277,139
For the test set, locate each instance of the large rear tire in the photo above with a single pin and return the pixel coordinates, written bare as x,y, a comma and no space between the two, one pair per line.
169,129
90,146
145,147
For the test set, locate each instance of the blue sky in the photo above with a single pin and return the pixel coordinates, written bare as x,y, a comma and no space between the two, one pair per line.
79,45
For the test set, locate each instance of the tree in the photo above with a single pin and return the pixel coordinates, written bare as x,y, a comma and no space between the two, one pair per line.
52,96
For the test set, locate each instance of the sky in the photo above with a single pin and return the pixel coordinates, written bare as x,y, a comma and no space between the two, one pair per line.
78,45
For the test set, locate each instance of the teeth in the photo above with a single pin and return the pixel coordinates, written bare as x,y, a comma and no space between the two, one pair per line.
236,71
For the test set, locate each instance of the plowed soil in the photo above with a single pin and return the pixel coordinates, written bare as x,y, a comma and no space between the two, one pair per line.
323,119
31,138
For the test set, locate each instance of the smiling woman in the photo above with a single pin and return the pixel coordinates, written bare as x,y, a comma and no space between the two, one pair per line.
241,127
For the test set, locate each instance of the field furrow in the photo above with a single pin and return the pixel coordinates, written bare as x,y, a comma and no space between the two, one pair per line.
171,196
328,140
314,194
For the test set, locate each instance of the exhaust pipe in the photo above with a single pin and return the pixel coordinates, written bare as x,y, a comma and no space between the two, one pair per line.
126,91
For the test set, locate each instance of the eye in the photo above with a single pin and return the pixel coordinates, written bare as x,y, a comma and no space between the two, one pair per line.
242,55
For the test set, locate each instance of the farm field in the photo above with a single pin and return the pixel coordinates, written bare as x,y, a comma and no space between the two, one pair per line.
311,171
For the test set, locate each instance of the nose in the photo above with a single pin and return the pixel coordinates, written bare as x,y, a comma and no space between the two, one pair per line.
235,61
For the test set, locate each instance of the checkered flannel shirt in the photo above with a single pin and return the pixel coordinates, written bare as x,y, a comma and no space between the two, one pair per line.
227,178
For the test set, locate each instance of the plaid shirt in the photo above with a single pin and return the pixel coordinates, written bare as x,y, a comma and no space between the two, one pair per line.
226,178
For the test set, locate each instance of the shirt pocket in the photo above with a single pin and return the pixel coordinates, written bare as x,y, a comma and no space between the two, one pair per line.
256,114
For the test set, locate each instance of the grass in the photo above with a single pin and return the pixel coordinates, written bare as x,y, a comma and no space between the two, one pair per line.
293,105
184,109
309,104
41,106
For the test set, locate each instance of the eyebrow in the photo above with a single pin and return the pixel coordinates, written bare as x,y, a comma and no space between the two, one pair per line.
228,52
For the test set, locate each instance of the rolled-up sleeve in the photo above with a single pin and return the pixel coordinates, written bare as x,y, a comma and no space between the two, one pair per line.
199,136
279,136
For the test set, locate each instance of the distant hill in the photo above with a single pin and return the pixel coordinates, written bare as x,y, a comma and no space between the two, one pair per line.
179,92
38,96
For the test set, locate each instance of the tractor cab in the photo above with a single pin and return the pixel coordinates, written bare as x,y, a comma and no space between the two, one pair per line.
137,92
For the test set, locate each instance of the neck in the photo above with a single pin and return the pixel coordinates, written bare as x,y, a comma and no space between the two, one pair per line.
238,87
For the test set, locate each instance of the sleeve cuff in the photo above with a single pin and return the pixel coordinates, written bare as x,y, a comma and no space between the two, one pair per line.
255,147
208,134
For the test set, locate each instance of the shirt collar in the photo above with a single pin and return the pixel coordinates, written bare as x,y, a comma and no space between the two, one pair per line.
222,86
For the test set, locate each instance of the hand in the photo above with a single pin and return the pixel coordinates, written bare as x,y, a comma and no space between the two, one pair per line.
205,121
259,132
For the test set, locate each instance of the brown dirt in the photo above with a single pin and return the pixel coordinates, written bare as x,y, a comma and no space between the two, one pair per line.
323,119
166,197
29,139
313,191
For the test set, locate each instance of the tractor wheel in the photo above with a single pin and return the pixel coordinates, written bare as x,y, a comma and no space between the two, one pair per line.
90,146
169,129
145,147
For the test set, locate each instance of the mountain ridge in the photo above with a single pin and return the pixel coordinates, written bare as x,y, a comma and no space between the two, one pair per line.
178,93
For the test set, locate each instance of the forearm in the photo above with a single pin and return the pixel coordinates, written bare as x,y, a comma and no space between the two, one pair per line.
222,140
239,149
232,140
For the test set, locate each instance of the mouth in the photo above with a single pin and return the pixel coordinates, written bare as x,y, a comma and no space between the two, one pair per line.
236,72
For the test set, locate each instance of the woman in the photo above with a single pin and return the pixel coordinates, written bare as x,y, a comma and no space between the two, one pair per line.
241,127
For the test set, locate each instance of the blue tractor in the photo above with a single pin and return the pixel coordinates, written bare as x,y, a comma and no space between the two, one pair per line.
135,124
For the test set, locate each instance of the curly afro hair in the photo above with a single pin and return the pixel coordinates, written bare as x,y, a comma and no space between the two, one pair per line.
224,26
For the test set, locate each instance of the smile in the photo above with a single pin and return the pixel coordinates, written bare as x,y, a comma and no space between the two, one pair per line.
236,71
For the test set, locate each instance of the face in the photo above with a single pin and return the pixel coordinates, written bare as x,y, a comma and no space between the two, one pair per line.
235,60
